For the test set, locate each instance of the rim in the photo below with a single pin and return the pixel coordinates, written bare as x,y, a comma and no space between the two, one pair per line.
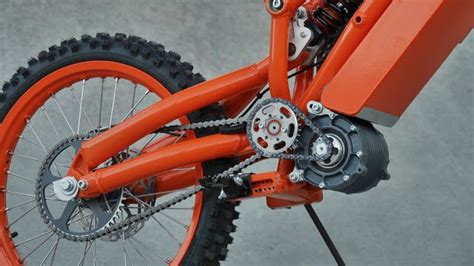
22,127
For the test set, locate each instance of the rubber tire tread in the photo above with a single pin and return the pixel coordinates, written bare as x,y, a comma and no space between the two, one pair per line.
209,245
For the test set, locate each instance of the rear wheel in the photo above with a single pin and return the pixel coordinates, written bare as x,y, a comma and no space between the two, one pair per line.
89,85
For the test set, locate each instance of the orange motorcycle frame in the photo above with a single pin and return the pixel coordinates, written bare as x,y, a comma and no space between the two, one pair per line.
372,90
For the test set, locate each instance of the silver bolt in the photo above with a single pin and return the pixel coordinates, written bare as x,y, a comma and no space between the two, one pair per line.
322,185
300,14
345,178
303,34
238,180
82,184
315,107
296,175
222,196
319,140
66,184
261,125
359,153
353,128
276,3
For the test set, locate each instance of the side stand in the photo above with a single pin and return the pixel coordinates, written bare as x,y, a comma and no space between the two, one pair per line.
324,234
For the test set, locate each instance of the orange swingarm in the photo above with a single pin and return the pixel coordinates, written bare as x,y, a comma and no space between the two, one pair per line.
169,157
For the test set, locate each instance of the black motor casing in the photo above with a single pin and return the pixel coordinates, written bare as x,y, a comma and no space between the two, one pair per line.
365,158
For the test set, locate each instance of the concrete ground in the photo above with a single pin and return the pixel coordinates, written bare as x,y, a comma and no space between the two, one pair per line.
423,216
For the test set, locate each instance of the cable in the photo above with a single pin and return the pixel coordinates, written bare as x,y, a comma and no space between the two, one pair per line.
267,89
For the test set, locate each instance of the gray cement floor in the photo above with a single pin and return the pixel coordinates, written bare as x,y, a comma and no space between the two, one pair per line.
423,216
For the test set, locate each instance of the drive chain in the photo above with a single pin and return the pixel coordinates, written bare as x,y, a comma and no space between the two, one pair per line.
213,179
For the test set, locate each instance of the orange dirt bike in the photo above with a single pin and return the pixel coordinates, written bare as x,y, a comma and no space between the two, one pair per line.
112,145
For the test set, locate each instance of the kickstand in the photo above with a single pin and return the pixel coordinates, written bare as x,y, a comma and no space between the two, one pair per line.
324,234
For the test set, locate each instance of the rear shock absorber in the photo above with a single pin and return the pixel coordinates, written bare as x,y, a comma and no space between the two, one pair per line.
329,19
334,16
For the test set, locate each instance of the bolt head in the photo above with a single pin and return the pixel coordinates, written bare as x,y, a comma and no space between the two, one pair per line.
346,178
303,34
359,153
322,185
238,180
222,195
300,14
276,3
353,128
66,185
82,184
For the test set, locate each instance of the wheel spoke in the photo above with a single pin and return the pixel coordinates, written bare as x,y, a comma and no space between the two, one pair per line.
30,141
62,113
20,204
33,238
50,122
81,110
37,246
80,105
150,251
101,102
166,229
50,251
41,143
138,252
174,220
21,177
147,143
25,157
113,102
136,105
180,137
94,254
134,94
86,250
124,248
78,219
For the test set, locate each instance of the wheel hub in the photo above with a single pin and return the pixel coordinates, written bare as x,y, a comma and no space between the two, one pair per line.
66,188
75,217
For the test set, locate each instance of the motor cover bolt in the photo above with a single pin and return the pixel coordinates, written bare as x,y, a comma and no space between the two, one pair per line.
296,175
315,107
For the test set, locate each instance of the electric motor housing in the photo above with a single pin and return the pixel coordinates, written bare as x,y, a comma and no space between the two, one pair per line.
360,157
